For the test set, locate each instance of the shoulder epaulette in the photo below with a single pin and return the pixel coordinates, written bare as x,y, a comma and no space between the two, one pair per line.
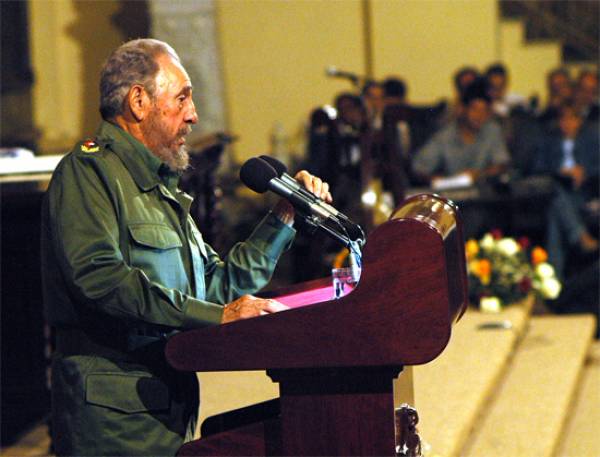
90,145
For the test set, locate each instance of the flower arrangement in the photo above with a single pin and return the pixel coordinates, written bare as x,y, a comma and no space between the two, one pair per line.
503,270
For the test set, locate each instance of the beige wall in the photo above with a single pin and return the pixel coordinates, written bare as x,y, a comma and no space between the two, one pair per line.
426,41
529,64
69,41
274,58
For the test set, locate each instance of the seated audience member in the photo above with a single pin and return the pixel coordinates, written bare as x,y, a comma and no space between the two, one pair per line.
560,90
351,115
334,146
334,139
512,111
502,101
525,130
586,95
373,99
463,78
381,162
394,94
351,155
572,156
394,91
471,144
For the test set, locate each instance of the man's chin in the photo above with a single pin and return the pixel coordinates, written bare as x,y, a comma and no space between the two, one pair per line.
177,158
180,160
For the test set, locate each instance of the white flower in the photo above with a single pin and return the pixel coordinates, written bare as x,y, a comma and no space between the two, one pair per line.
487,242
550,288
545,270
490,304
508,246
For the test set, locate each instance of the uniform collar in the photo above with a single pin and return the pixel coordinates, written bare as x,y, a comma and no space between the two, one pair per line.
146,169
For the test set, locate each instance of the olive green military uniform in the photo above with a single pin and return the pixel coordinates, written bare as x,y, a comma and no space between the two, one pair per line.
124,266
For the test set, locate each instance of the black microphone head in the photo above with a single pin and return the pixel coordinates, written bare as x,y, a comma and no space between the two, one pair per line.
256,174
279,167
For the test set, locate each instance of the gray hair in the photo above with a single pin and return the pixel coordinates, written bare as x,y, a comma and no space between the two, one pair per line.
131,63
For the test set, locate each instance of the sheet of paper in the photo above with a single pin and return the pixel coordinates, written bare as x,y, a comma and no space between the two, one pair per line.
452,182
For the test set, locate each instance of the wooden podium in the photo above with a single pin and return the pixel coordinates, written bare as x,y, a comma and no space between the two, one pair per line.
335,360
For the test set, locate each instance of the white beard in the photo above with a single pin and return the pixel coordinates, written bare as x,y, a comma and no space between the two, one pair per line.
176,161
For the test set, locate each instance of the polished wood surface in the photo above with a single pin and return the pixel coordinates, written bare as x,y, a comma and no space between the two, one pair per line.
337,411
441,214
400,313
261,438
335,361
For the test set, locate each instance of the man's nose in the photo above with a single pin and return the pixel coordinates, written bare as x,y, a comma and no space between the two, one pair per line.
191,115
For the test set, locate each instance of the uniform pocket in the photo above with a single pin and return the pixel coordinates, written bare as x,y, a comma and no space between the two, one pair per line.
127,393
157,250
155,236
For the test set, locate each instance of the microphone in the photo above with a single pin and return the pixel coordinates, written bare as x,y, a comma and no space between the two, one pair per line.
281,170
333,72
259,176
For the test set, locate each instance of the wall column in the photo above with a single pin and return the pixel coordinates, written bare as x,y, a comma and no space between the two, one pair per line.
57,87
190,28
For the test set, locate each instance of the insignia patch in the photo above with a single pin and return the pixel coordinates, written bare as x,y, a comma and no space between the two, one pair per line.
90,146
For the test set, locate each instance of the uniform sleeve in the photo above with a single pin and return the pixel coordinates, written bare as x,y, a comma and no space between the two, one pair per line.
249,265
84,231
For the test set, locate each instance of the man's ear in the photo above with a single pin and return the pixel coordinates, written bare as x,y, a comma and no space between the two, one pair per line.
139,102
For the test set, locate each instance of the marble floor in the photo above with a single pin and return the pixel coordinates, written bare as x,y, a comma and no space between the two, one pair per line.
33,443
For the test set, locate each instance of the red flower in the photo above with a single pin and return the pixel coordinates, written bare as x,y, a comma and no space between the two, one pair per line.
496,234
525,284
524,242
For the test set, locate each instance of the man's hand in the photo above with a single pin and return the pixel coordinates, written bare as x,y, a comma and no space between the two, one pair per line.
249,306
314,184
285,211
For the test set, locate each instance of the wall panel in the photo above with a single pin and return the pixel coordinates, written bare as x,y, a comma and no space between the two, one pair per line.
426,41
274,57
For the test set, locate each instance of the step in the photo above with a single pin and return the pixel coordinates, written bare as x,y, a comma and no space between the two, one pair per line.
468,347
532,403
34,443
229,390
451,391
581,437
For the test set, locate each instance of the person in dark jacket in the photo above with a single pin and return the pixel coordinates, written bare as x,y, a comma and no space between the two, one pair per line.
572,156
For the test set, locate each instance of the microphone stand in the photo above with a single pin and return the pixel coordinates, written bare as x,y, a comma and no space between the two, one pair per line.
354,246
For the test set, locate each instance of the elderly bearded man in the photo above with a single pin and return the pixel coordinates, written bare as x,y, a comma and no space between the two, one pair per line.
125,266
